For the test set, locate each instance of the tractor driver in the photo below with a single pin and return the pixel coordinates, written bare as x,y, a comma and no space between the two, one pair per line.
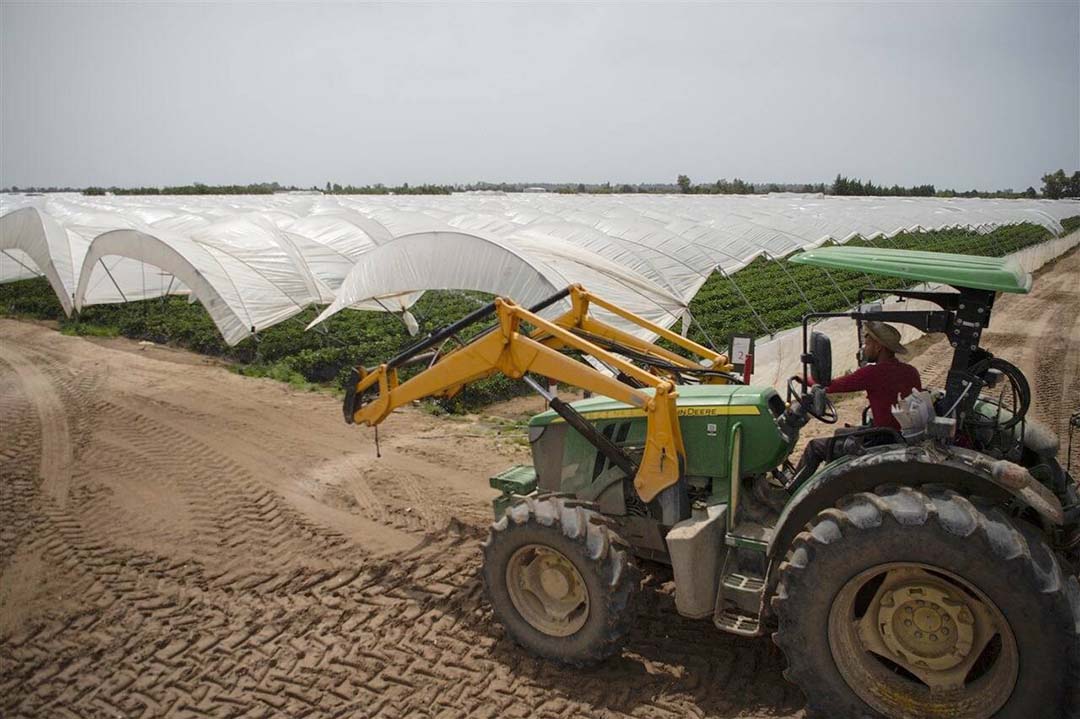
885,382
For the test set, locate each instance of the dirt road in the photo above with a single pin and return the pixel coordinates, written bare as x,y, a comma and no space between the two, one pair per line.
177,540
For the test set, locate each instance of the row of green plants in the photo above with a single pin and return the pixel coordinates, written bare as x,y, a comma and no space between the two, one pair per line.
779,293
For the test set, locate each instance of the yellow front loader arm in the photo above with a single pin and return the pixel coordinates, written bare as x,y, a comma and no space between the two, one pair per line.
578,319
508,350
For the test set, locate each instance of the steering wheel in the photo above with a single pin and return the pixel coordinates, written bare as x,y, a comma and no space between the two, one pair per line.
815,401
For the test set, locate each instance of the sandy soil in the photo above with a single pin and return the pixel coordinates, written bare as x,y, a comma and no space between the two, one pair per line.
177,540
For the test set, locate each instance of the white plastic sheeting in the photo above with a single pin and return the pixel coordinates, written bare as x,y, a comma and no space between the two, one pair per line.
33,243
257,260
446,259
246,274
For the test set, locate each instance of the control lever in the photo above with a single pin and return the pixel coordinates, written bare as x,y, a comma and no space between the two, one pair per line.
819,402
804,402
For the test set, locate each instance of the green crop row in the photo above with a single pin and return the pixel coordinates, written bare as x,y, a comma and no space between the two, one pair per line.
770,295
778,291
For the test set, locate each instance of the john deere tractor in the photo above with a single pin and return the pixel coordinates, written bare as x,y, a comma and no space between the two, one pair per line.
928,572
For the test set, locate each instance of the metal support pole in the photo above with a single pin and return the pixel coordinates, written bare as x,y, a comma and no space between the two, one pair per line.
28,268
704,332
791,280
847,302
146,304
106,268
731,279
165,295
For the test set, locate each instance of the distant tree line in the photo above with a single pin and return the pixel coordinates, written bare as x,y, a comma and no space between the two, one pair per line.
332,188
738,187
13,188
1056,185
848,186
1008,194
197,188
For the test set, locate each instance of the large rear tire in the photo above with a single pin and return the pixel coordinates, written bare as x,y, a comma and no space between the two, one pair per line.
904,603
560,581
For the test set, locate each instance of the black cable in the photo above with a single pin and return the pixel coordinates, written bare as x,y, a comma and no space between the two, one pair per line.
1074,422
1019,385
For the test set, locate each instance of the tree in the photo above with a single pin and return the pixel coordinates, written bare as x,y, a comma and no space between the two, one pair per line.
328,190
1030,193
684,184
1055,185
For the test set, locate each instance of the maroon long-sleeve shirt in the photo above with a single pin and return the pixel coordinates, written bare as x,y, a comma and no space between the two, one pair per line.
885,383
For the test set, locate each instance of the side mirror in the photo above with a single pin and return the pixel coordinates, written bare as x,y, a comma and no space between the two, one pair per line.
821,358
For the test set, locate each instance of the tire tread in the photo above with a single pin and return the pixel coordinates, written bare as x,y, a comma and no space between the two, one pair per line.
598,544
988,529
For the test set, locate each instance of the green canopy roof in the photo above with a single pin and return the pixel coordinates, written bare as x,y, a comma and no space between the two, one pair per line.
982,273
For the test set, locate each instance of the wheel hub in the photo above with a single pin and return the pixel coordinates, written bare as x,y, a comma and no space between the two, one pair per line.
547,590
926,625
915,639
555,582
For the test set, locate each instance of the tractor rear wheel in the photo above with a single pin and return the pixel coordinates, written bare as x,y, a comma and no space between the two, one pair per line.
904,603
562,584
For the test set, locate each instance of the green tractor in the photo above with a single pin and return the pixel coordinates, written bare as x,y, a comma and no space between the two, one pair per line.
929,572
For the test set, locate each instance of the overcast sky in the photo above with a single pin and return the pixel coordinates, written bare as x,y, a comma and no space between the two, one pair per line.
959,95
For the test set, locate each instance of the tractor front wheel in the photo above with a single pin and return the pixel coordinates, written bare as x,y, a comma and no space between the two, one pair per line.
902,603
560,581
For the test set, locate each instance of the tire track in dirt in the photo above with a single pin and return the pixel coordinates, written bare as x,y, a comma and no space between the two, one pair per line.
19,449
1052,397
234,603
56,450
410,637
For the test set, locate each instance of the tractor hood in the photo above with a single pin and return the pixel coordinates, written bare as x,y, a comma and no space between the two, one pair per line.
694,400
982,273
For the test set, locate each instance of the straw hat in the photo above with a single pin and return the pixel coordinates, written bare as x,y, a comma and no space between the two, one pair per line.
886,335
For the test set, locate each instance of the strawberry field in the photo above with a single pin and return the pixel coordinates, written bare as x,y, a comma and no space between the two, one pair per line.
765,297
780,292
